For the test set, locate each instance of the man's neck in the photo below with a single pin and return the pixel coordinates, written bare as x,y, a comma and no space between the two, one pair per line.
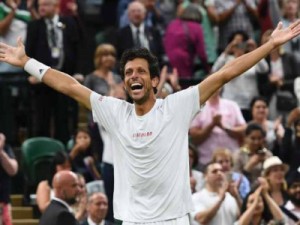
212,188
145,107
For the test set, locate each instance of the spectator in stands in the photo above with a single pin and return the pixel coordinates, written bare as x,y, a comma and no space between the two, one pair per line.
224,157
220,124
196,177
184,40
44,191
66,190
293,205
53,40
274,171
79,207
288,14
82,158
259,208
138,33
214,205
168,82
235,16
289,150
273,128
244,88
153,17
14,24
97,207
277,83
209,19
250,158
8,168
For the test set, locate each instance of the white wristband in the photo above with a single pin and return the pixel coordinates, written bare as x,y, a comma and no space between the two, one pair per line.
35,68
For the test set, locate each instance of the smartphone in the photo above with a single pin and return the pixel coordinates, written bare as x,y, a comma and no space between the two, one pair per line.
229,177
262,151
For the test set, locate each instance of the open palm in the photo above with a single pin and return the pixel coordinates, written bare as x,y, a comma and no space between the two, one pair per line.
281,35
13,55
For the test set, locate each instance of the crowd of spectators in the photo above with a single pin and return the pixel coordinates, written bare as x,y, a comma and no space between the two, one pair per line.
242,141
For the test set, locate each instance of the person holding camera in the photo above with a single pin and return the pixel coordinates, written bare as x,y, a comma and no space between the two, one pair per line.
249,160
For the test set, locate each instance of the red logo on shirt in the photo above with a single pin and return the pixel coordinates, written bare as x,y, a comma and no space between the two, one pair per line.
142,134
101,98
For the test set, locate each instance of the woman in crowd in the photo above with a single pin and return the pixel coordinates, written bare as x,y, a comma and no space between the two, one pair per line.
273,128
184,40
260,209
274,171
83,161
224,157
250,158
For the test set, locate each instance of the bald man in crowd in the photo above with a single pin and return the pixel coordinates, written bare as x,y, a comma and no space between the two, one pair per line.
66,189
97,210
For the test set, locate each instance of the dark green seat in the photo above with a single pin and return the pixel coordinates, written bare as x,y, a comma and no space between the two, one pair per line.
37,158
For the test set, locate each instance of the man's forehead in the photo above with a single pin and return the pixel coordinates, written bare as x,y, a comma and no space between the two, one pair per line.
136,63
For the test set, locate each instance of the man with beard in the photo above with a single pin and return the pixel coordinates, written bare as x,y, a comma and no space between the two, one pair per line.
66,189
293,205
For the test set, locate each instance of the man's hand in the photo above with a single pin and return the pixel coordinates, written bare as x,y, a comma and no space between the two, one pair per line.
281,35
15,56
217,120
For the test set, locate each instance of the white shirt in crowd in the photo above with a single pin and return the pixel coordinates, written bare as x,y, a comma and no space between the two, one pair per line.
227,213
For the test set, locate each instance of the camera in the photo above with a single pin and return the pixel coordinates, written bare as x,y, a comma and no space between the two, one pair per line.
262,151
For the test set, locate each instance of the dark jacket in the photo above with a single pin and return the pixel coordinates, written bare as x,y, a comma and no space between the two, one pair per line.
57,214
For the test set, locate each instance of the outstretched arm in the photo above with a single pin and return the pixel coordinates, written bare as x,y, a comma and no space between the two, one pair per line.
55,79
241,64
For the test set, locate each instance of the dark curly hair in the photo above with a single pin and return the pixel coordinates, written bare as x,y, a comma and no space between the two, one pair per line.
143,53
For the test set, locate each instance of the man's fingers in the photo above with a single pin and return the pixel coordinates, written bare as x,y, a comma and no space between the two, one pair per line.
279,26
295,24
20,41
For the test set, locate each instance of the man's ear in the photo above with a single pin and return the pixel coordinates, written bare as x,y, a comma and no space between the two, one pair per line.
155,81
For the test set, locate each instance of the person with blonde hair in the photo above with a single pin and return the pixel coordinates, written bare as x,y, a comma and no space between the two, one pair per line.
274,170
224,157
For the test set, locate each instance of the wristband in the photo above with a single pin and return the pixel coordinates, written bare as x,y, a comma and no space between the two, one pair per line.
35,68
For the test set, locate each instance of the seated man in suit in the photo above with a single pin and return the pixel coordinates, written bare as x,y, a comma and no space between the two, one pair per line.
66,189
97,207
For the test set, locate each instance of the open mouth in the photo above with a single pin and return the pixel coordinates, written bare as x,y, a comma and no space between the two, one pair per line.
136,86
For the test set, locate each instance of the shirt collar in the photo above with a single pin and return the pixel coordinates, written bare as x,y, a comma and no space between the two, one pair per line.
64,203
141,28
91,222
55,19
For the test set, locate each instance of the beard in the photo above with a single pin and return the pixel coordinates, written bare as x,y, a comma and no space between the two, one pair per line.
71,201
295,201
